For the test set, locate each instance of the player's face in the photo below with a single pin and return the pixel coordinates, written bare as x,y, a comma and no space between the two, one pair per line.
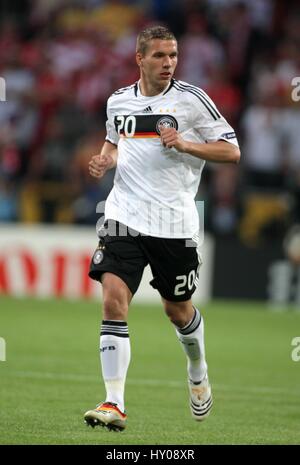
159,62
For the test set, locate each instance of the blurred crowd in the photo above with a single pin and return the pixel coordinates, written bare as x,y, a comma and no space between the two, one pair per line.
61,59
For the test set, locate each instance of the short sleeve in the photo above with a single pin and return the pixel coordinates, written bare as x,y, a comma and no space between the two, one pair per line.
111,134
208,121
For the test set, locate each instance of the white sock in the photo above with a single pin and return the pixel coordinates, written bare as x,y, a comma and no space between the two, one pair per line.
115,358
192,341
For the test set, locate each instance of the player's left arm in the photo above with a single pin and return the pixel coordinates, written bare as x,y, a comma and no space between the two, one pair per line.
219,151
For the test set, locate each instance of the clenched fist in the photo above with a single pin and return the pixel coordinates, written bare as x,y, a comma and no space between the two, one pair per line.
99,164
171,138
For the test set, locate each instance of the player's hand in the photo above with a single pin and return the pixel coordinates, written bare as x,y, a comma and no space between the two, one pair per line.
99,164
171,138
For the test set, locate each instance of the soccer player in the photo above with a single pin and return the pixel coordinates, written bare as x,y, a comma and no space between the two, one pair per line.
160,132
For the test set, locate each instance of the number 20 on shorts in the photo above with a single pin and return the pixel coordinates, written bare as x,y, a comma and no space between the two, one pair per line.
183,281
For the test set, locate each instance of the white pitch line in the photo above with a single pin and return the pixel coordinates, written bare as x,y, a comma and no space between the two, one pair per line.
154,382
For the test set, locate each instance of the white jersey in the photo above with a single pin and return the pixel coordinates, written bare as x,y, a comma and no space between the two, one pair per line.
155,187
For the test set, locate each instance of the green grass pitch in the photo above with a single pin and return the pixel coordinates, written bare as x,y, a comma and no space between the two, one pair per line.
51,376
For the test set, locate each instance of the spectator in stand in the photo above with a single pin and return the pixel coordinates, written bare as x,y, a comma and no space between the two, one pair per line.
63,131
93,84
263,141
19,114
20,83
9,40
200,52
89,190
224,93
8,201
238,39
224,198
71,52
9,171
49,92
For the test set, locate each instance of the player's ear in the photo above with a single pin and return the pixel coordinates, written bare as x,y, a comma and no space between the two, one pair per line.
138,57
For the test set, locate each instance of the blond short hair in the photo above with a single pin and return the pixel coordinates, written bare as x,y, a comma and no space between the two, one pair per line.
154,32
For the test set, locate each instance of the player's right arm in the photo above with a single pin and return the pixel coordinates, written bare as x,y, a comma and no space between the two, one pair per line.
106,160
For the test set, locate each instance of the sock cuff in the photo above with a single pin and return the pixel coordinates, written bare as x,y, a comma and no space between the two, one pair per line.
192,325
114,328
114,322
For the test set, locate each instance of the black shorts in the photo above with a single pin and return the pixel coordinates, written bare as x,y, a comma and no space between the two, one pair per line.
174,262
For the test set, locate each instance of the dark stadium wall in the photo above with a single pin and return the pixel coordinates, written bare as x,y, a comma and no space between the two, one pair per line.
242,272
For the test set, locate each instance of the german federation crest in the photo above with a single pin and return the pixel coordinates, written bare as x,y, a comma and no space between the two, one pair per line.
167,121
98,257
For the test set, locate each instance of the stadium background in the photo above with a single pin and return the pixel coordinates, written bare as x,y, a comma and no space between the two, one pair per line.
60,60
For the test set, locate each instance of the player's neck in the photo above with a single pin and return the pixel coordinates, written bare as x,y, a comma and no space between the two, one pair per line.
149,89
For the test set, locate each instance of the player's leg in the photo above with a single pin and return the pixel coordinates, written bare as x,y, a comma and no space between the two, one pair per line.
175,265
189,325
114,353
114,337
118,264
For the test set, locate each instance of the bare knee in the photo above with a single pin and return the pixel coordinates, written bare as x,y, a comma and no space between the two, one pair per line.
179,313
116,298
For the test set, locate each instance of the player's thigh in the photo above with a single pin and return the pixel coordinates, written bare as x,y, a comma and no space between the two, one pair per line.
115,291
175,267
121,256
